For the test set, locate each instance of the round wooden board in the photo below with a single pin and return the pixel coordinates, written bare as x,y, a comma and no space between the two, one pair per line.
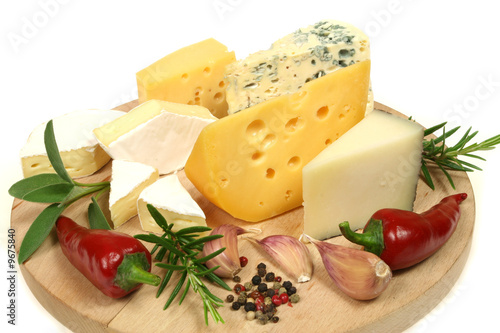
412,293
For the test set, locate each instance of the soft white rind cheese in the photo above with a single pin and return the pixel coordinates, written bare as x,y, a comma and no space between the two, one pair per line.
295,59
374,165
77,146
173,201
128,180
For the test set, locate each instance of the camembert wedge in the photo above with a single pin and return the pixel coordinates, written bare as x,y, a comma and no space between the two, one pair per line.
173,201
374,165
128,180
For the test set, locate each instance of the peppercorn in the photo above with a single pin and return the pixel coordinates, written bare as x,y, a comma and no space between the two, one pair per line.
281,291
258,313
261,265
270,308
291,291
277,279
276,300
262,287
243,261
287,285
242,299
248,286
284,298
276,285
270,277
256,280
262,320
229,298
250,315
294,298
236,306
261,272
238,288
250,307
255,294
270,292
268,300
236,278
275,319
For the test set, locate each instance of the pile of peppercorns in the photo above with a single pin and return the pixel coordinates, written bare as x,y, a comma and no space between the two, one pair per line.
260,299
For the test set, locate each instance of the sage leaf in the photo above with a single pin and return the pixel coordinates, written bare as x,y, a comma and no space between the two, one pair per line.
24,186
79,192
50,193
97,220
53,152
39,230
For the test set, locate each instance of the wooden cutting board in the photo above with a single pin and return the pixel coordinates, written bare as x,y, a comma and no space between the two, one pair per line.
412,293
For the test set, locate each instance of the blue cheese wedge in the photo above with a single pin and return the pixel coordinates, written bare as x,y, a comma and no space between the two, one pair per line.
173,201
295,59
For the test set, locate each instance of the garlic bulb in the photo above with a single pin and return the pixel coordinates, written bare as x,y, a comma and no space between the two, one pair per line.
291,255
360,274
229,260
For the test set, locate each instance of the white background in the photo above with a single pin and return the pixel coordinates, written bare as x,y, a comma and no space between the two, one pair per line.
433,60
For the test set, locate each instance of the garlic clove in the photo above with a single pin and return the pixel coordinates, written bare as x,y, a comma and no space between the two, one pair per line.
229,260
290,254
359,274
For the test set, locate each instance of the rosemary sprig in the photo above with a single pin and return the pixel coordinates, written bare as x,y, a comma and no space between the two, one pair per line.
60,191
450,158
181,251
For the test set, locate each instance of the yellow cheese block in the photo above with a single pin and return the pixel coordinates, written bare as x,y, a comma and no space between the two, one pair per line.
191,75
250,163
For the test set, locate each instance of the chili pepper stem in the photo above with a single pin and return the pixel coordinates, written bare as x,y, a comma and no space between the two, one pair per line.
133,271
372,238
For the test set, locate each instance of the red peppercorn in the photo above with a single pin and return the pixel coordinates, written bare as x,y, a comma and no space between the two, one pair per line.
259,300
284,298
276,300
243,261
277,279
238,288
259,307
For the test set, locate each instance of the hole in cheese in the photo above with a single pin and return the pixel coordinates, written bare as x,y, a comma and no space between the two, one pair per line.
35,165
198,91
257,155
184,76
255,127
322,113
206,70
222,84
294,124
328,142
218,97
268,141
341,116
270,173
288,194
294,162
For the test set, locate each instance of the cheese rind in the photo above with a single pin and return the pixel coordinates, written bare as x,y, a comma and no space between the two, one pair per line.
191,75
173,201
250,163
156,133
128,180
293,60
79,150
374,165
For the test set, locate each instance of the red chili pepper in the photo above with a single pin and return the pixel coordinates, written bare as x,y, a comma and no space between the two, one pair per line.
114,262
404,238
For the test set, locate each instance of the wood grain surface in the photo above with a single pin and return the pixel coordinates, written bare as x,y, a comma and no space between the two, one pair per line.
412,293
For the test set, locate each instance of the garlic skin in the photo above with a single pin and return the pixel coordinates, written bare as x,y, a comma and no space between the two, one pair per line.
291,255
359,274
229,260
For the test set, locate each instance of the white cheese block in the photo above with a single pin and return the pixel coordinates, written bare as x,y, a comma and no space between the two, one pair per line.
79,149
157,133
128,180
293,60
374,165
173,201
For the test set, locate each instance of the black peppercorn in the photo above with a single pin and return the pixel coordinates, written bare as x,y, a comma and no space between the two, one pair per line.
290,291
256,280
262,287
236,278
229,298
261,272
270,292
261,265
236,306
287,285
250,307
275,319
270,277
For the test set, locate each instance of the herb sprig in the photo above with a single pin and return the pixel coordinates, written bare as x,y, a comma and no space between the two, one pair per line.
181,251
447,158
58,189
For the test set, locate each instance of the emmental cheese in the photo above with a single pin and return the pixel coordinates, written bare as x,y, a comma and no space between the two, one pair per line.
79,150
156,133
173,201
128,180
250,163
191,75
375,165
293,60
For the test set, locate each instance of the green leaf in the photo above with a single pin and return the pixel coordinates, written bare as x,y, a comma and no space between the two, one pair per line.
159,219
176,290
202,240
79,192
192,230
24,186
172,267
188,284
53,152
433,129
50,193
210,256
97,220
39,230
151,238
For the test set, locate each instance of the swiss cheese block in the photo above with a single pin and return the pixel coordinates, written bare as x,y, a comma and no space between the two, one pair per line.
250,163
191,75
156,133
79,150
128,179
173,201
374,165
293,60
